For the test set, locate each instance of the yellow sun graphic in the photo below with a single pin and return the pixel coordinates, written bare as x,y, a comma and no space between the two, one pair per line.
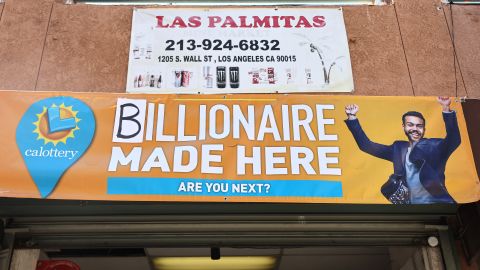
42,130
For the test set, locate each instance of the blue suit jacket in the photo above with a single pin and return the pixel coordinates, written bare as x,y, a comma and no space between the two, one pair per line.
429,155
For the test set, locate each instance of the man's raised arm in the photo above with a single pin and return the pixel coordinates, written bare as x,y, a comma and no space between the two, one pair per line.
363,142
452,140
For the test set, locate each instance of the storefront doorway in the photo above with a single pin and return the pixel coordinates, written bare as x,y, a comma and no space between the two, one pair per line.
291,258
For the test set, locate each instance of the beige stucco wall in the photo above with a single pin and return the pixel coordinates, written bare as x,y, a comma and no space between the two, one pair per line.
400,49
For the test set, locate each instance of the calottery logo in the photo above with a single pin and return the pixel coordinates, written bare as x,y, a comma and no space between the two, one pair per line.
52,135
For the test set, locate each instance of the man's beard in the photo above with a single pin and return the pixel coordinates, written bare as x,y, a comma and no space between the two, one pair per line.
410,135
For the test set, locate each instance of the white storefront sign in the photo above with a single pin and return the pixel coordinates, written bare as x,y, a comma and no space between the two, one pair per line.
243,50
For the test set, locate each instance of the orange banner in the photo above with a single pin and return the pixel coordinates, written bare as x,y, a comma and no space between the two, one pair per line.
242,148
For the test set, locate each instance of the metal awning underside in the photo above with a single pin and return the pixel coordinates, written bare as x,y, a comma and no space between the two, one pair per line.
87,224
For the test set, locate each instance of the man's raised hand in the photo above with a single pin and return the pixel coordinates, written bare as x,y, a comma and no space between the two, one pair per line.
351,111
445,102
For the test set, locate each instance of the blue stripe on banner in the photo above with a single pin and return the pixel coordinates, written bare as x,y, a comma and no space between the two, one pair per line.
201,187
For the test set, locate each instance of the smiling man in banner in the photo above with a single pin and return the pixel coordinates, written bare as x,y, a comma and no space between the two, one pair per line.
419,163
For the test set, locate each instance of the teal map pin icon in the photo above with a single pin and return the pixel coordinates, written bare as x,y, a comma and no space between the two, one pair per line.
51,136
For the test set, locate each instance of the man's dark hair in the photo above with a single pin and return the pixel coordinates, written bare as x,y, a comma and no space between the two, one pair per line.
414,113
